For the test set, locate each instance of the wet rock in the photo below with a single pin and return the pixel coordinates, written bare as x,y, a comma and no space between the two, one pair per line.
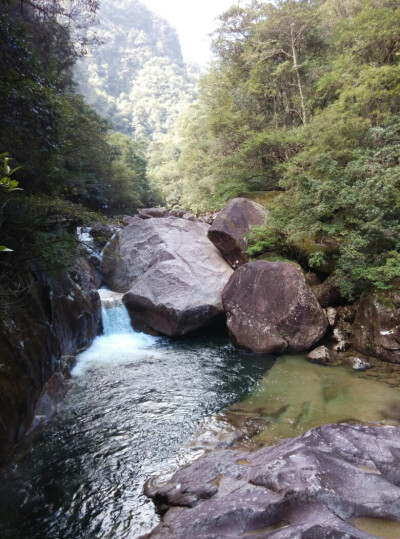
312,486
52,394
358,363
270,308
229,229
55,316
320,355
148,213
101,234
341,346
376,329
171,272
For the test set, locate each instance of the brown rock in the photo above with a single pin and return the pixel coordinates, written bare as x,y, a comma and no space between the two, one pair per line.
148,213
327,293
229,229
375,331
270,308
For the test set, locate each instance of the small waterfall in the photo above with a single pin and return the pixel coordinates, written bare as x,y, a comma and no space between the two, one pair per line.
114,315
119,342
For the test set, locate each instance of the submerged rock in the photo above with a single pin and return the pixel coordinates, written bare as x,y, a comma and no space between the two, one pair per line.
358,363
174,274
232,223
312,486
271,309
376,329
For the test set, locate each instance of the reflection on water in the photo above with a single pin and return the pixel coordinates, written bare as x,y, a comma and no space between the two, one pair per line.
295,396
136,403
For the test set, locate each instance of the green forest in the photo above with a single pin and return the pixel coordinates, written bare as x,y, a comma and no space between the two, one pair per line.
299,111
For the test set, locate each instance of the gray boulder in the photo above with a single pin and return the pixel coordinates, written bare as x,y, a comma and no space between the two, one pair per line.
229,229
270,308
322,484
172,274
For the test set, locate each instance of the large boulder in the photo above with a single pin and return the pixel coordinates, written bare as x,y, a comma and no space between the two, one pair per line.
376,329
331,482
271,309
229,229
171,272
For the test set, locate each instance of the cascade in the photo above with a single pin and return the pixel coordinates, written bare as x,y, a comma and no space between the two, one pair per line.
119,343
114,315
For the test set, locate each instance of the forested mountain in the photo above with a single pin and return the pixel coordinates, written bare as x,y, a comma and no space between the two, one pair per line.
67,160
303,100
136,77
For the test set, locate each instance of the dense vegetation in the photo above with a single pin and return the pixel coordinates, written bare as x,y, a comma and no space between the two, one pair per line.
68,160
303,99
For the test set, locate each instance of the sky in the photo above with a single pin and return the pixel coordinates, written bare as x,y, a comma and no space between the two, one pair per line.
193,20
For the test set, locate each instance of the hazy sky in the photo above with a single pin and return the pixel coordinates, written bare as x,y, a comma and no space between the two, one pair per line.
194,20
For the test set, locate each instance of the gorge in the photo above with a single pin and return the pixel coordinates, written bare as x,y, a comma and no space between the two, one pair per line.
143,406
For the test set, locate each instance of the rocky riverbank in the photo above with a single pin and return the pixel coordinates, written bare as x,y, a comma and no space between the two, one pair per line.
43,325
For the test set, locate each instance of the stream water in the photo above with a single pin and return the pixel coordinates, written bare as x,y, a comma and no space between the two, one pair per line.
136,404
143,406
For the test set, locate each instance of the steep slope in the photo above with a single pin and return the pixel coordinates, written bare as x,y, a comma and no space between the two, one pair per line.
136,78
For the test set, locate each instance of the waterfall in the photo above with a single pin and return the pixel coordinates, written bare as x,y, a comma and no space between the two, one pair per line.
114,315
119,344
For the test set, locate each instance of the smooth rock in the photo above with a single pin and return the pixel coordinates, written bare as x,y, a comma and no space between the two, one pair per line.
271,309
309,487
173,273
320,355
148,213
376,329
232,223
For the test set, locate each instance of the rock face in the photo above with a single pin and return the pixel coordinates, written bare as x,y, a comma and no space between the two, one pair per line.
54,317
376,329
230,227
174,275
312,487
270,308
